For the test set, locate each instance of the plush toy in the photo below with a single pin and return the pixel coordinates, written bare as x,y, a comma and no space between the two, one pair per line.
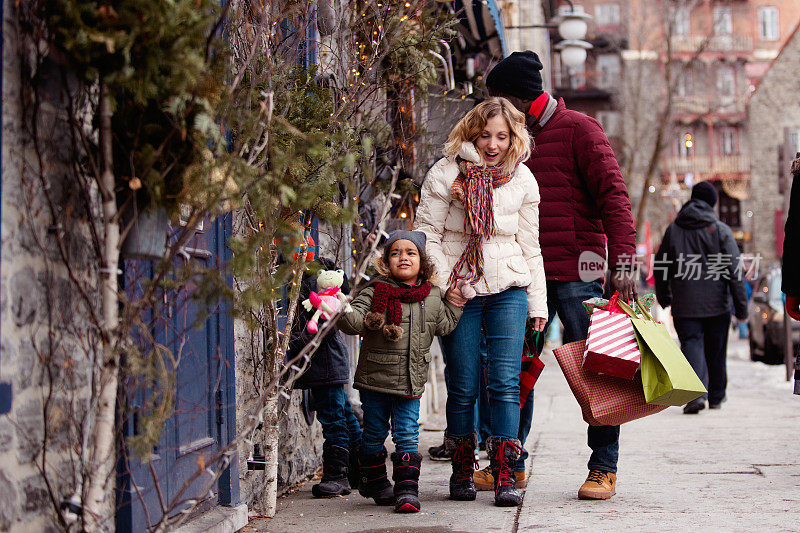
328,300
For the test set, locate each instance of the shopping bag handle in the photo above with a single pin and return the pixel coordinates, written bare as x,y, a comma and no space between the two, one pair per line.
627,308
632,313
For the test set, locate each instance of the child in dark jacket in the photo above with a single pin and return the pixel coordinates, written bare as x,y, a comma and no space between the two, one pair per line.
398,316
327,374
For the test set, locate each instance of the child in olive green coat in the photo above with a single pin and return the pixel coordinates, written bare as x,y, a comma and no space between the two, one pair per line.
397,316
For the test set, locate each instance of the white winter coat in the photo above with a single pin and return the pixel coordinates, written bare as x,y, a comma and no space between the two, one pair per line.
512,258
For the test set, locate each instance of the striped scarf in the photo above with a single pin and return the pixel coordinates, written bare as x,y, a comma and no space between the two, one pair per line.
474,187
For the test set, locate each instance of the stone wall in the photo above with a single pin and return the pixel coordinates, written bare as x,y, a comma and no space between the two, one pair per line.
45,339
300,446
774,105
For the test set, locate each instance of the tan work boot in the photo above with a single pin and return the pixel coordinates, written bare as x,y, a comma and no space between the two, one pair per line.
599,485
484,480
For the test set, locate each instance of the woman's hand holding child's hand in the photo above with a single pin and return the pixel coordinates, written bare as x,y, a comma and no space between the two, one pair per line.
454,296
537,323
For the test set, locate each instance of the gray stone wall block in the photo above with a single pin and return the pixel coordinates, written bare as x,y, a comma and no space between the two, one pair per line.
6,436
81,252
26,361
3,296
23,290
300,446
60,294
9,509
35,498
60,418
29,429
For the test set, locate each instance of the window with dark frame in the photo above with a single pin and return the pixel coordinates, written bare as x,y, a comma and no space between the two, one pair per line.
729,209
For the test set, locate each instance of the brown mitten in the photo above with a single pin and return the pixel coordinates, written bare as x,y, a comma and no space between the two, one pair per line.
392,332
374,320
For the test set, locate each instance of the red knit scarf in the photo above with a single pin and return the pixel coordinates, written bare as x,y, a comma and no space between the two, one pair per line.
538,105
388,298
475,186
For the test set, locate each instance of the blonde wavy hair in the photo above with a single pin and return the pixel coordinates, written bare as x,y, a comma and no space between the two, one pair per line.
471,126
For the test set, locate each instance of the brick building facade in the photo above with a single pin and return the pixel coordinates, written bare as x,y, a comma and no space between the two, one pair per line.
717,52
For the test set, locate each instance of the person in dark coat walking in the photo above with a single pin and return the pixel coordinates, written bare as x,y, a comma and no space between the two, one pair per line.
697,272
584,203
327,374
790,279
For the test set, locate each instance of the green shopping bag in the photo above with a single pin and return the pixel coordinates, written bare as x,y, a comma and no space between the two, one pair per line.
667,377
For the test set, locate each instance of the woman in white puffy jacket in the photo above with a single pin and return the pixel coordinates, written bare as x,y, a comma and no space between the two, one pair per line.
480,213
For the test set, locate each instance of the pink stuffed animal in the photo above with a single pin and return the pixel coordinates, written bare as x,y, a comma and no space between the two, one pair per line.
327,301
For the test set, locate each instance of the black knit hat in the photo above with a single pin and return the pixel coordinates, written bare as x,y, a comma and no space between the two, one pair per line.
517,75
706,192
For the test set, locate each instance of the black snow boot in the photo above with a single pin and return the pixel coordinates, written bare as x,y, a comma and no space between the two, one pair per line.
462,487
374,483
503,455
334,472
353,474
406,482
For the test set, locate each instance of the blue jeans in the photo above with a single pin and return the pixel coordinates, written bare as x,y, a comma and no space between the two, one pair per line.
335,414
525,422
381,410
483,413
501,318
565,299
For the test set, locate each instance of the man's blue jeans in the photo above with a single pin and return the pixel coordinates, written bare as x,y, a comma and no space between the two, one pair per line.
565,299
335,414
501,318
525,422
381,410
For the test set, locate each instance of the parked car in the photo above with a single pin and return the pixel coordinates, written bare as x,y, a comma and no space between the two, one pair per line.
765,320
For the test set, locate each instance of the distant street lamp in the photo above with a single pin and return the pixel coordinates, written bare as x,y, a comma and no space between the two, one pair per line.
572,24
572,27
573,53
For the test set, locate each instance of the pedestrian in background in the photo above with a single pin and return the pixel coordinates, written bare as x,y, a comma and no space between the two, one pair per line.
480,211
326,376
790,279
584,202
697,273
397,316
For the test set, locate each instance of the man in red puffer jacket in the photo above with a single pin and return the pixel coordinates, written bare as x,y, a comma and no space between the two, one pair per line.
584,201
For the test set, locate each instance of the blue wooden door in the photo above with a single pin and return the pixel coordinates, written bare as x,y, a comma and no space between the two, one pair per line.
203,420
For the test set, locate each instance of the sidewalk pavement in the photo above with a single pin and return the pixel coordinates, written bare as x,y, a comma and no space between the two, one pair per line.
735,469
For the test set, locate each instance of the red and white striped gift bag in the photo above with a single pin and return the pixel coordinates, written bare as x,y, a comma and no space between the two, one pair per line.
611,347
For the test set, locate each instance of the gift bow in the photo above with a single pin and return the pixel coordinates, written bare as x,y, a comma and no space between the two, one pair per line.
590,305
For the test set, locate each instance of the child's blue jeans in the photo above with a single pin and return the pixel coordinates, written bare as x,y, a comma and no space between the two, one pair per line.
339,424
381,410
